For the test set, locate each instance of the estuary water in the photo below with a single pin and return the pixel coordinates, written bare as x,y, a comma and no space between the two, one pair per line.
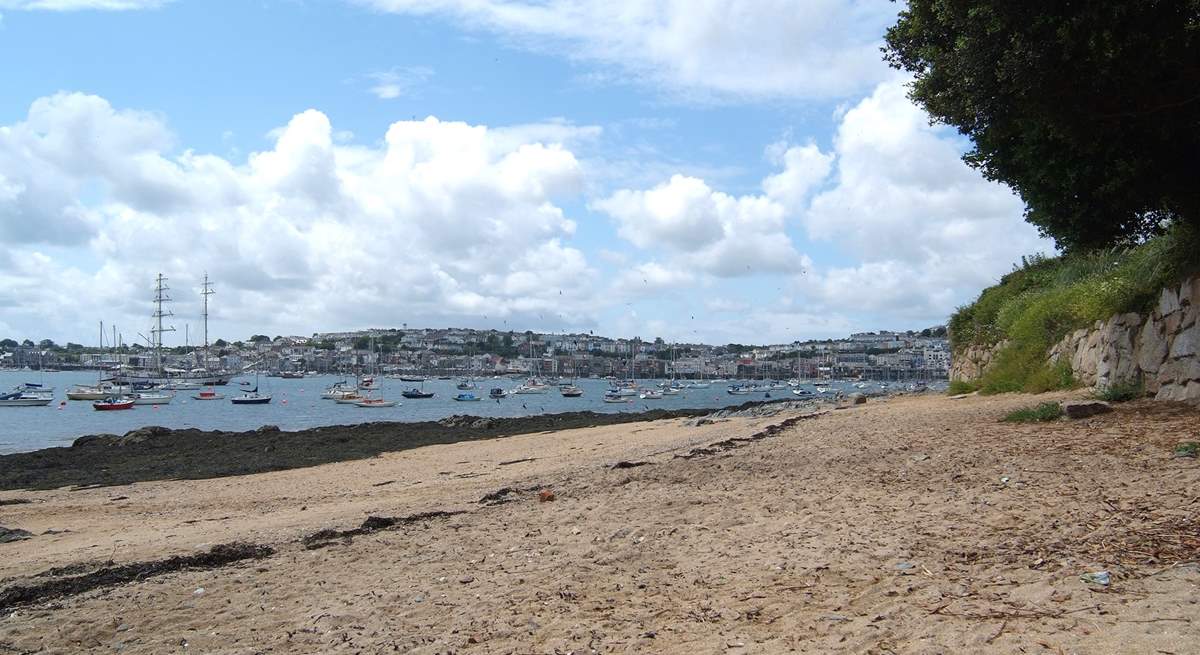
297,404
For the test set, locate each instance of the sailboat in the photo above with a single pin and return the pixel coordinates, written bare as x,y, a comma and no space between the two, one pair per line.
252,396
415,393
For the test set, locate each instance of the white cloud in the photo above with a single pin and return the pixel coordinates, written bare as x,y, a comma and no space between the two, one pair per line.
928,230
396,82
722,48
443,221
77,5
717,233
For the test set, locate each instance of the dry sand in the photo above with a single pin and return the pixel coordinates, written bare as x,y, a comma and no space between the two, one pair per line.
917,525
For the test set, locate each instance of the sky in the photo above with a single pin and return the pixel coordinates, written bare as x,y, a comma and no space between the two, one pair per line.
697,170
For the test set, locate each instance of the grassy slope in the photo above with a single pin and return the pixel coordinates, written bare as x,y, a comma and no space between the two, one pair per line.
1045,298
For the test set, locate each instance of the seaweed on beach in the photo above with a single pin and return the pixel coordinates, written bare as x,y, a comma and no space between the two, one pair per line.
109,576
165,454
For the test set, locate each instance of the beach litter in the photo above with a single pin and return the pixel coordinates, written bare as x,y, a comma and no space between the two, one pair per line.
1101,578
545,496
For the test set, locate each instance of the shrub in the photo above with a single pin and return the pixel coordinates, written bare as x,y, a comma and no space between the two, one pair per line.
1035,414
1120,392
961,386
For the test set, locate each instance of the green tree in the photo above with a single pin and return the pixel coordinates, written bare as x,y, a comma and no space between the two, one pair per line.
259,338
8,343
220,343
47,344
1089,110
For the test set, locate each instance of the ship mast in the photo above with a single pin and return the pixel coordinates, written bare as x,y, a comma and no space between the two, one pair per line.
206,291
160,296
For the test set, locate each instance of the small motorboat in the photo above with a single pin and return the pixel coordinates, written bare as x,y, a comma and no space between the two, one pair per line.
570,391
415,393
671,391
496,393
411,378
33,388
737,391
211,394
467,398
151,398
113,404
651,394
466,385
615,398
801,392
375,402
22,399
350,398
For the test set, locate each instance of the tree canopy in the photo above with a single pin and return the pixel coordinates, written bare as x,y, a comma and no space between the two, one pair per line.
1089,110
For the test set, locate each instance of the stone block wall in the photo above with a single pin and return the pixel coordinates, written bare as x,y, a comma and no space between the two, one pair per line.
1162,349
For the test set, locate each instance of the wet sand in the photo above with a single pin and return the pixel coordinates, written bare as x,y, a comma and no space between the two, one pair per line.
916,525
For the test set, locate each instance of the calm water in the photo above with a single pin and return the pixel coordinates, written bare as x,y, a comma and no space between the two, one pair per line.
297,404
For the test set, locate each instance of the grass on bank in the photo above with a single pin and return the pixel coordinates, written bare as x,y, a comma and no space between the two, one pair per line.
1120,392
1045,298
1036,414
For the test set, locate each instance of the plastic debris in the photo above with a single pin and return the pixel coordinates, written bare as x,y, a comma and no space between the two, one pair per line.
1102,578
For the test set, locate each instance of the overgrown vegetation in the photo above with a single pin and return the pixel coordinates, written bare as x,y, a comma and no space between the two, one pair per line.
1036,414
1120,392
1087,109
1044,298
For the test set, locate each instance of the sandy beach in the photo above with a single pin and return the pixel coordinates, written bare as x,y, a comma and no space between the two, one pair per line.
912,525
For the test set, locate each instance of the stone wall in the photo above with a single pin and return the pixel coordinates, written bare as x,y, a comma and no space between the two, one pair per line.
1161,350
972,361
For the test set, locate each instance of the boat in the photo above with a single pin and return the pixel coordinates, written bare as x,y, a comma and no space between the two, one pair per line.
113,404
368,384
737,390
700,385
411,378
616,398
467,398
801,392
570,391
21,399
292,375
497,393
466,385
337,390
416,393
152,398
33,387
822,389
671,391
211,394
90,392
180,385
531,386
650,394
374,402
350,398
252,396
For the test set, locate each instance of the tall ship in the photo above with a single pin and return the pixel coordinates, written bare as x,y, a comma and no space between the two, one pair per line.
172,376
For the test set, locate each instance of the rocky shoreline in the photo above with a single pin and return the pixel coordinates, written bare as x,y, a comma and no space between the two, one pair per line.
158,453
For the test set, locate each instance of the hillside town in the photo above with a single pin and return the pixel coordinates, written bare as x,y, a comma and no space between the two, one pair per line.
882,355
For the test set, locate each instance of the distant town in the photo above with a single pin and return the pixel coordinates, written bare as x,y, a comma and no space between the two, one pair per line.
882,355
